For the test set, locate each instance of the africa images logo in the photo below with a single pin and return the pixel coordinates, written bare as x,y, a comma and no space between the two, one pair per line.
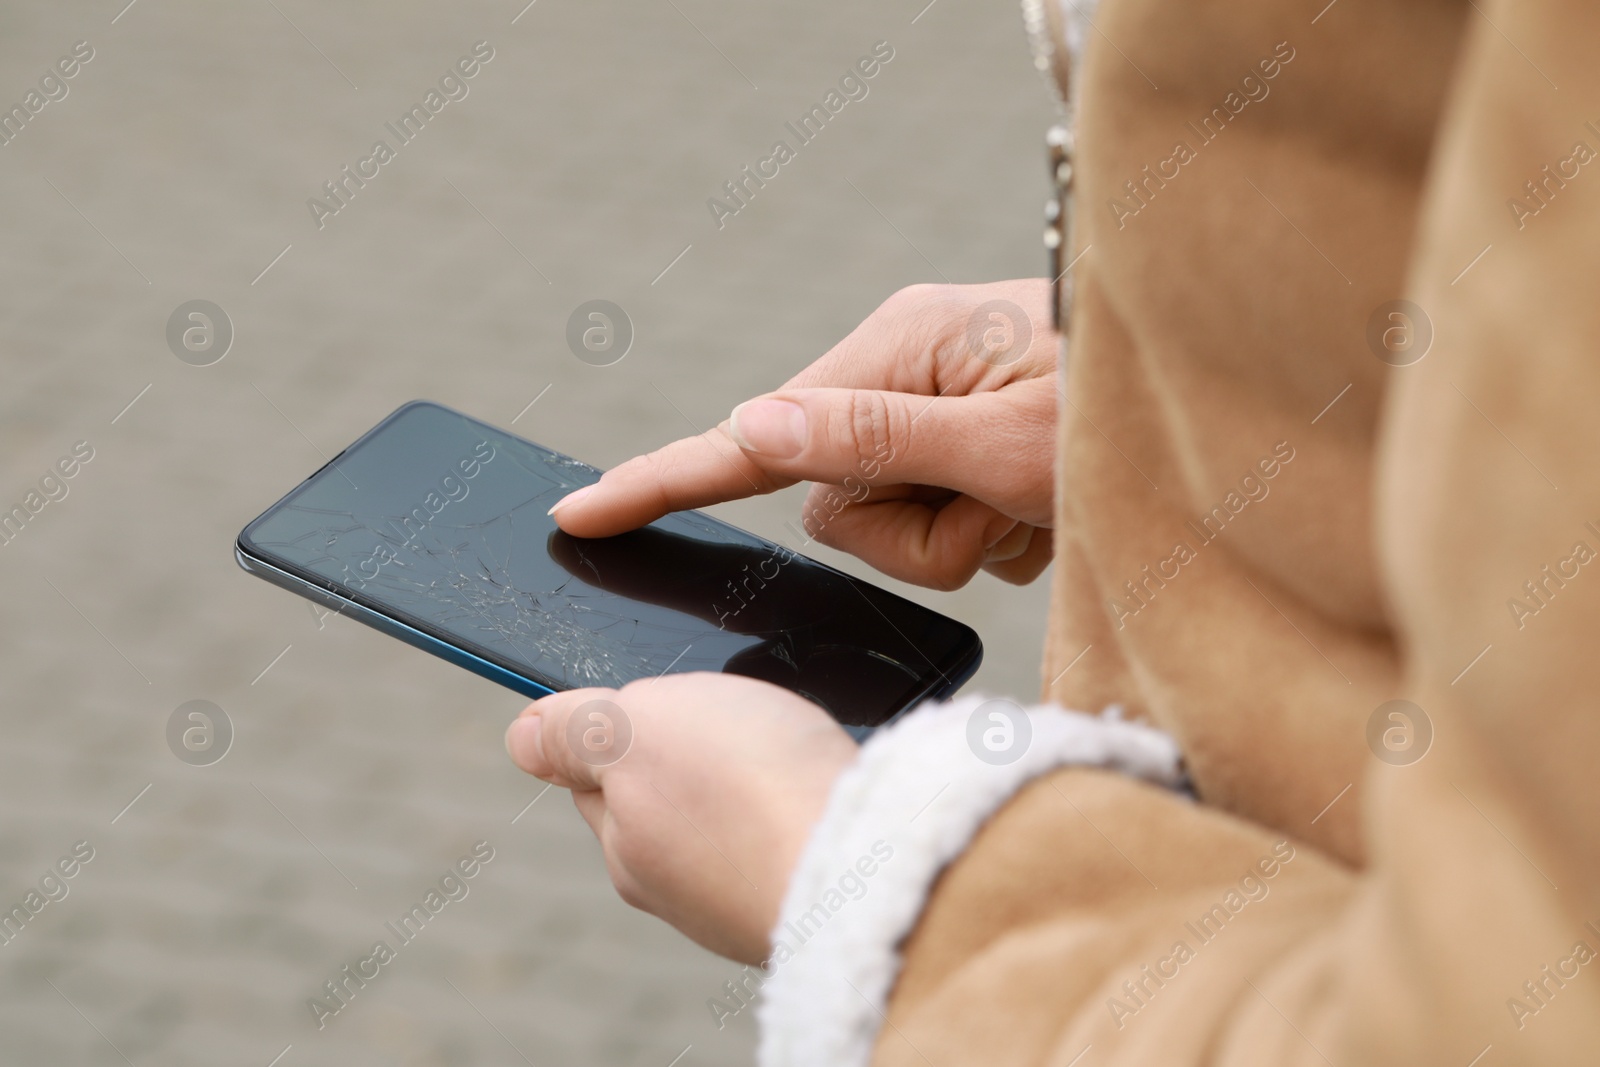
805,129
452,887
52,88
452,86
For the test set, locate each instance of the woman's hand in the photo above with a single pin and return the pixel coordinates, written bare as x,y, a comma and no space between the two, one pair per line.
930,432
702,789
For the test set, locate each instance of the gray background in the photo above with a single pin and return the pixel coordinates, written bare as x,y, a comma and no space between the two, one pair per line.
591,142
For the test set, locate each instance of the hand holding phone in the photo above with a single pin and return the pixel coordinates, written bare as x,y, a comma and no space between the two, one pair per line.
703,821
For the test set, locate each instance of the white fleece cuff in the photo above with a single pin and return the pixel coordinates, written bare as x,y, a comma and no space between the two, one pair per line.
911,803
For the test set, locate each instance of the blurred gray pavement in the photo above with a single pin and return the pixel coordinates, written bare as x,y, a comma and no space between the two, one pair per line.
178,167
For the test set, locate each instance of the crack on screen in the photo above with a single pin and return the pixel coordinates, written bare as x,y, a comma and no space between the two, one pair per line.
462,578
485,570
571,632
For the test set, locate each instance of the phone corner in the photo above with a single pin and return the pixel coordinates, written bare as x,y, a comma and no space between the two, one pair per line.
242,556
967,666
420,403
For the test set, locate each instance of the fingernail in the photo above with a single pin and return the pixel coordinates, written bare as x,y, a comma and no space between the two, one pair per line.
772,427
525,742
570,498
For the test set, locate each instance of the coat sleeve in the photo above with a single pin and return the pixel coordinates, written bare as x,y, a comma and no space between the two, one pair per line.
894,821
1094,919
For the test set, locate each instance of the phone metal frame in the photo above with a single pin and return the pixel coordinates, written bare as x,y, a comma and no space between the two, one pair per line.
389,625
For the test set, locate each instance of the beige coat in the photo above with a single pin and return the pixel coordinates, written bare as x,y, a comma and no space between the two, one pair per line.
1310,532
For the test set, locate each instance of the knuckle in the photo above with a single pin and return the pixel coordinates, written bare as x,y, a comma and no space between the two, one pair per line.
553,737
923,310
868,428
666,466
945,566
1023,575
939,580
824,504
908,298
951,577
820,528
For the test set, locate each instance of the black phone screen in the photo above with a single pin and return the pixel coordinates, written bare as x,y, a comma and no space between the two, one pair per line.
439,521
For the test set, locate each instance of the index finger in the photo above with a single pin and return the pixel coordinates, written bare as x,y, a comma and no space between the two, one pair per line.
694,472
893,348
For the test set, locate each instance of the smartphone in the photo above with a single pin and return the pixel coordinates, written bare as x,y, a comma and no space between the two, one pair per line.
432,527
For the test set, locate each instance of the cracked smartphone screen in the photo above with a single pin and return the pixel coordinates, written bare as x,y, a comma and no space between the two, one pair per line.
438,521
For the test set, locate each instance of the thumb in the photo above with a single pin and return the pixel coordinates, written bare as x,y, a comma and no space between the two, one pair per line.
969,444
571,738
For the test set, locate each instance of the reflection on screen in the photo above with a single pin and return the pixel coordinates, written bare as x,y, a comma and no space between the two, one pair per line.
440,520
